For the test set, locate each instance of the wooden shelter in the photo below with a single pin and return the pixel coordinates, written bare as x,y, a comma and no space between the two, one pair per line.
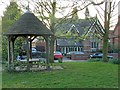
28,27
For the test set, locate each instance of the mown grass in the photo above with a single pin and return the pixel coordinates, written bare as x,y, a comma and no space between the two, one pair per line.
74,75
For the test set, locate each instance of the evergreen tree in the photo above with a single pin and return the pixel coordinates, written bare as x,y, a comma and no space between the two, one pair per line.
11,14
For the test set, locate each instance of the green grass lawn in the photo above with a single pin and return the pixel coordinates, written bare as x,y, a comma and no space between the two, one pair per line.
74,75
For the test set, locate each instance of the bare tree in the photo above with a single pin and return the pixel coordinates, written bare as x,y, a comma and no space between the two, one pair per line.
109,21
47,11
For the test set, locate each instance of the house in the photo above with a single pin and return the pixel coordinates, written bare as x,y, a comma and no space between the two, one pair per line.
80,34
116,34
75,34
84,35
115,38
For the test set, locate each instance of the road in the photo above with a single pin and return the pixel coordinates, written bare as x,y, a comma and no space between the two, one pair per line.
69,60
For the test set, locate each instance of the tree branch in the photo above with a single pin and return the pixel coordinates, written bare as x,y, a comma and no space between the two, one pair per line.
97,3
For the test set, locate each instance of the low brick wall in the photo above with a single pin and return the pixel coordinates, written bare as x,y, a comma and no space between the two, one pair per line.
86,56
115,55
80,57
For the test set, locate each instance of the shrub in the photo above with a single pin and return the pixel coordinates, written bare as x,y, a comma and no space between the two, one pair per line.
95,59
60,60
115,61
43,55
4,49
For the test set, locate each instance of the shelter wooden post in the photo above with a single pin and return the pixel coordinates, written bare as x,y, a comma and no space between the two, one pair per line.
12,53
12,50
30,49
30,40
9,58
28,54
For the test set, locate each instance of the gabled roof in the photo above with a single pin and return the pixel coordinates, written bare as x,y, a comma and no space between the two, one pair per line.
73,27
28,24
68,42
82,25
117,25
96,28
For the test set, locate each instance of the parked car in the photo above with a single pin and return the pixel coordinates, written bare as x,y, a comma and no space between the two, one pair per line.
99,55
58,55
35,53
34,50
20,58
69,54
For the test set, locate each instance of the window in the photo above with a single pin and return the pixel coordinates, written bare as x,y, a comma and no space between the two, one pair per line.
94,44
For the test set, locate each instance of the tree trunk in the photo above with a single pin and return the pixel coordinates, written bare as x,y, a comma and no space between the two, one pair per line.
105,47
47,53
52,49
52,27
107,27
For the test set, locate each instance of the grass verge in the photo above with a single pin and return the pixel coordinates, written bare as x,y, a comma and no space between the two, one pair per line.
74,75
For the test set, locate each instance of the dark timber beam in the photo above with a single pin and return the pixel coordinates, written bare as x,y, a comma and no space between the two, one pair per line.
28,54
30,40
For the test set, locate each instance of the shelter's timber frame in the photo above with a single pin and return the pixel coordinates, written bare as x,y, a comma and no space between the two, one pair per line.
28,27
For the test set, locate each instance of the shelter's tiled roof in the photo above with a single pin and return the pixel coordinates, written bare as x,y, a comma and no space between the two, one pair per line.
28,24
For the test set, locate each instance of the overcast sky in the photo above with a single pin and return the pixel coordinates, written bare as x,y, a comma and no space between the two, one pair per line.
93,12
